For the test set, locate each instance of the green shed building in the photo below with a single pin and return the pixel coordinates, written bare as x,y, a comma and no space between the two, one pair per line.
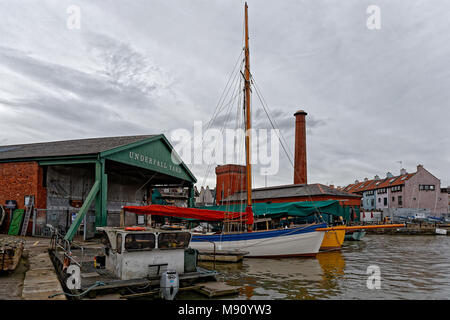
87,181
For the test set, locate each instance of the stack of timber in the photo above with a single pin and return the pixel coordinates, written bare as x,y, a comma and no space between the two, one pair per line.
10,253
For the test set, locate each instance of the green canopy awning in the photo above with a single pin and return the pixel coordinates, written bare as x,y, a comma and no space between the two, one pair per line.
293,209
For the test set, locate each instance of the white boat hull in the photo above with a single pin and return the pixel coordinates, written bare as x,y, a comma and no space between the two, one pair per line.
302,244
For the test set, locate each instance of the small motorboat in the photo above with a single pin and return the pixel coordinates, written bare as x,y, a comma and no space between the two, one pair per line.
355,235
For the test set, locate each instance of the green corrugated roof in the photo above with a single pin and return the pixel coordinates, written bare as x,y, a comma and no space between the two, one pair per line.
67,147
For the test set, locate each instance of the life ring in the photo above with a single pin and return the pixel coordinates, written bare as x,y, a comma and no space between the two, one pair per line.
135,229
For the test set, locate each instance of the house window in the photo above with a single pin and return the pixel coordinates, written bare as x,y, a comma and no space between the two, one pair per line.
393,199
379,200
426,187
385,201
400,200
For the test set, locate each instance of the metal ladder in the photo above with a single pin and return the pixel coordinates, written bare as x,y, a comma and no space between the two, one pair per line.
26,220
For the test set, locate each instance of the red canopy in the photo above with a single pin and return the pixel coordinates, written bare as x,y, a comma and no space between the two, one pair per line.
192,213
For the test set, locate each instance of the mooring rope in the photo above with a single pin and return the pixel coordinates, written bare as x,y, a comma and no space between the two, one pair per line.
96,284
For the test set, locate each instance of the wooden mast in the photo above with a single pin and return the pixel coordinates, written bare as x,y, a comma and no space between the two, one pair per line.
248,120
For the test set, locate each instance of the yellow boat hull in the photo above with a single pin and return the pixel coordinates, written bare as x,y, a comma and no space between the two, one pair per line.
333,239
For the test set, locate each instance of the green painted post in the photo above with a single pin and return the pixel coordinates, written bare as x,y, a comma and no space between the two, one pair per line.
83,210
104,195
191,196
98,199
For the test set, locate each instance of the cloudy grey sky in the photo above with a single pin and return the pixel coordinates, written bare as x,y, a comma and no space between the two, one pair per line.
373,97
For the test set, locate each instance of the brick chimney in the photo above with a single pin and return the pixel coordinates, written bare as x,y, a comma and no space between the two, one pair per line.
230,179
300,175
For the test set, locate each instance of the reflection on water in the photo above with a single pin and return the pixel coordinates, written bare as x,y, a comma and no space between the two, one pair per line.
412,267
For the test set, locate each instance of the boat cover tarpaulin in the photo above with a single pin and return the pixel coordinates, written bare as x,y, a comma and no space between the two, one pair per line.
190,213
283,209
16,223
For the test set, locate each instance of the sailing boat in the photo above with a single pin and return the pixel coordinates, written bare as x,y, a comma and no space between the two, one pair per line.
294,241
299,241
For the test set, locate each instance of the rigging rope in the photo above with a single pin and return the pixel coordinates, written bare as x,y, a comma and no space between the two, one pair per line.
275,126
229,105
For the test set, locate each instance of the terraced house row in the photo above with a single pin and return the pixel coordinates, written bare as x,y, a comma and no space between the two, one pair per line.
417,190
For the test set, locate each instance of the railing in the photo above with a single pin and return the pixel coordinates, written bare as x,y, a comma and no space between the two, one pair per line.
58,242
61,219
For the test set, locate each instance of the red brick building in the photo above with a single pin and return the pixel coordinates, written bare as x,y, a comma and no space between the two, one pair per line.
20,179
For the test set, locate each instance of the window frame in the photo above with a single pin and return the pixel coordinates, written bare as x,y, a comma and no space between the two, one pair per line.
119,243
140,234
186,241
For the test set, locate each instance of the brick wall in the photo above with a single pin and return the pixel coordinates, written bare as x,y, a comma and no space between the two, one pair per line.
230,178
18,179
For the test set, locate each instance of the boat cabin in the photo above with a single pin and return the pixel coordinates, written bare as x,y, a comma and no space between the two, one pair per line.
138,252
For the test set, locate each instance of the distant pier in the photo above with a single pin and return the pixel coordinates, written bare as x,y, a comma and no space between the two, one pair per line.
417,228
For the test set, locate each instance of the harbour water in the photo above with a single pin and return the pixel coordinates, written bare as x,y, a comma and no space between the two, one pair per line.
412,267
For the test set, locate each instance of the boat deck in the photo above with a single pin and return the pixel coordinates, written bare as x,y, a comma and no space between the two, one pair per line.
97,280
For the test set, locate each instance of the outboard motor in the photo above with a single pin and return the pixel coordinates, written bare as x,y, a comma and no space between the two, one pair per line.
169,284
